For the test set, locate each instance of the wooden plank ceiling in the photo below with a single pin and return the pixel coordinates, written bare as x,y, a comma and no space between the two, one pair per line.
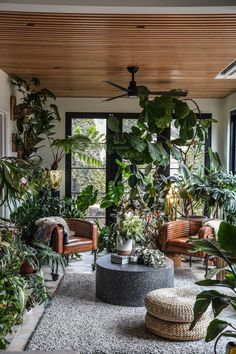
73,53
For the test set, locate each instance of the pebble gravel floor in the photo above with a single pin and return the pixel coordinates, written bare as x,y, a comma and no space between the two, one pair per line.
78,321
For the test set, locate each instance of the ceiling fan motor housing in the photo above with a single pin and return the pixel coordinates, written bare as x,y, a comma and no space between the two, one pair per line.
133,91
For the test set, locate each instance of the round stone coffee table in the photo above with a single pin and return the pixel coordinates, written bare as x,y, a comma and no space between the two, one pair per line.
128,284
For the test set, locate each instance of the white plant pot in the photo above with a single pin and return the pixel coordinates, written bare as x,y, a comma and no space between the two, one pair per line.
125,249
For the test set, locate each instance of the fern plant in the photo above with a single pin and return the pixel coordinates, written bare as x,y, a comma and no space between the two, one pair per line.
80,145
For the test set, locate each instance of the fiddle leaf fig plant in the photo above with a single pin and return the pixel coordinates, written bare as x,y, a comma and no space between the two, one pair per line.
146,143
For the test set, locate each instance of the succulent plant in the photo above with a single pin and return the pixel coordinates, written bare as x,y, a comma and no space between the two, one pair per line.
150,257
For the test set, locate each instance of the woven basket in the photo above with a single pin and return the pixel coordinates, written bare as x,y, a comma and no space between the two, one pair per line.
176,331
173,304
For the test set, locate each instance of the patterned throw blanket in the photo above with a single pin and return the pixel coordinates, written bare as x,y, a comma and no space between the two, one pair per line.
45,231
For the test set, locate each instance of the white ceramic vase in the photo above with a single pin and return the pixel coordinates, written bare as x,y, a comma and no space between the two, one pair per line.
125,249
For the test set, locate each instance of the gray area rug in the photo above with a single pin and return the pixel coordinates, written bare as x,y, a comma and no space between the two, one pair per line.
78,321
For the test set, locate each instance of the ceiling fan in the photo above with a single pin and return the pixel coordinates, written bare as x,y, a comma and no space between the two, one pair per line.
132,90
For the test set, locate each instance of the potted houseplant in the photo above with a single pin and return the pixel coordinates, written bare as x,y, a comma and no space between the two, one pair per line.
129,227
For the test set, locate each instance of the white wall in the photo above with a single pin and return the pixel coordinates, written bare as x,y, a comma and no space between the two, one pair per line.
5,94
7,126
230,104
214,106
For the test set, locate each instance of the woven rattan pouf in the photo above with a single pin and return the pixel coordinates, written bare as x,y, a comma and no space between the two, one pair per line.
170,312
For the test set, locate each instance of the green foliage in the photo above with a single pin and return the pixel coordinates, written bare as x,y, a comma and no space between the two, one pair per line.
218,300
34,117
17,291
114,194
227,237
77,206
43,204
34,207
150,257
11,172
138,146
106,240
129,225
80,145
46,256
218,191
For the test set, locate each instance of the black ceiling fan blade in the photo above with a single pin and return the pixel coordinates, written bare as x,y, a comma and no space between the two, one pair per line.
117,86
178,93
113,98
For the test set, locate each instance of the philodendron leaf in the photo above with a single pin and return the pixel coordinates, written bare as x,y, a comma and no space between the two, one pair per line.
215,328
181,109
227,237
213,282
203,300
213,272
200,306
219,304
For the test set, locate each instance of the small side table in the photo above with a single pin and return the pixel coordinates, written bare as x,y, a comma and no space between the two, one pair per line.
128,284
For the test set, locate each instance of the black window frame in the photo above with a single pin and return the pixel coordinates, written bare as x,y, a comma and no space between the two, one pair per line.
232,144
111,167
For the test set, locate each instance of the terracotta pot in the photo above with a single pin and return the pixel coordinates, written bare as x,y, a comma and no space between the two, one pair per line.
125,249
26,268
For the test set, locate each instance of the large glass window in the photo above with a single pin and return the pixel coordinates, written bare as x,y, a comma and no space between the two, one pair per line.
195,155
79,174
232,152
84,173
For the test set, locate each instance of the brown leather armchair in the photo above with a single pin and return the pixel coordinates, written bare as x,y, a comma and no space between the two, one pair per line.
174,237
84,239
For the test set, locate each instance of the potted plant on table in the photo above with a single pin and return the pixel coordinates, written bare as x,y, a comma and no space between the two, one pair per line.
129,227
